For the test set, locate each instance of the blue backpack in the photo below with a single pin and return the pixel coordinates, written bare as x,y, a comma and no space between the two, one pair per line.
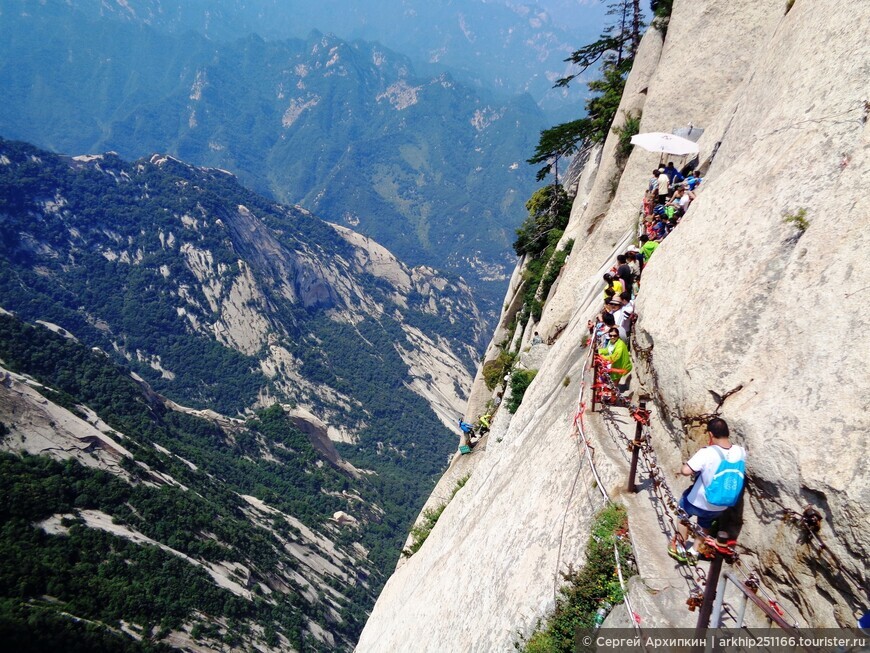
724,489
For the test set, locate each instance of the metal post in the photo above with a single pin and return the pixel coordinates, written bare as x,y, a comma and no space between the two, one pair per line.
742,612
709,595
594,381
635,452
716,619
768,611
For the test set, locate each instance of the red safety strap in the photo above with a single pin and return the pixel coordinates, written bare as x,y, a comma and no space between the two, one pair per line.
579,416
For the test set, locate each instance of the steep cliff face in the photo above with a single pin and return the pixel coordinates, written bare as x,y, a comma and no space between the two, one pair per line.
736,296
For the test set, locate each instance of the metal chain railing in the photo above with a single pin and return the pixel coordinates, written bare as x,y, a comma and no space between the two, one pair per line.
665,502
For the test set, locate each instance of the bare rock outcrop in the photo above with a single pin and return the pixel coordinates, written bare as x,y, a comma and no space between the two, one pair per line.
39,426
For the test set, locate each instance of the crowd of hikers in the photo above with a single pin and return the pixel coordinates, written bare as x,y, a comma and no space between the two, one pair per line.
667,198
715,496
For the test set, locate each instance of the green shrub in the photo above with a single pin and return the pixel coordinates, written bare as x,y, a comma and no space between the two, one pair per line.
540,642
662,10
587,588
540,275
536,309
459,485
798,219
520,382
422,530
494,370
549,209
629,128
555,266
430,517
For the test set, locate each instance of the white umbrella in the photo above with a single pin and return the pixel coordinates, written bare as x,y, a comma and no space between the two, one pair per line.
664,143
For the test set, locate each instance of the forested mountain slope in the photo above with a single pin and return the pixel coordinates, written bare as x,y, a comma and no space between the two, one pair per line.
127,518
430,167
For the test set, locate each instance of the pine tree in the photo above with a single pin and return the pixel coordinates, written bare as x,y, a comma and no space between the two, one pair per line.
615,48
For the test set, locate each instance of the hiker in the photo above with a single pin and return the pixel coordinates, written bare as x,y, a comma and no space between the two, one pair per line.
612,284
674,176
681,200
616,352
536,339
625,316
608,319
635,261
649,200
647,247
662,187
617,308
653,185
720,468
694,180
623,271
484,422
467,432
614,316
598,330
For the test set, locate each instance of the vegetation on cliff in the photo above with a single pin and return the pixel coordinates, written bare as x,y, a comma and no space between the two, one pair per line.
520,382
421,531
588,588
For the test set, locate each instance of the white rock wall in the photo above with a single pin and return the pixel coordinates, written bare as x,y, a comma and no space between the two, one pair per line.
781,313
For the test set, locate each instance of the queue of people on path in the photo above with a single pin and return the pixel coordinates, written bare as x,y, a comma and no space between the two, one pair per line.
666,200
668,196
718,469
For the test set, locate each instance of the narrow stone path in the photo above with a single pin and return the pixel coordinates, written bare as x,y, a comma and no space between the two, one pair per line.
660,591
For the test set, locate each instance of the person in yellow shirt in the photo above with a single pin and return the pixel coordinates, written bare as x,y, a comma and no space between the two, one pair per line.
616,351
612,284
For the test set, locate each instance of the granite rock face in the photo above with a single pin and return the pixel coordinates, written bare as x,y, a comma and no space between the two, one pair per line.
742,295
777,306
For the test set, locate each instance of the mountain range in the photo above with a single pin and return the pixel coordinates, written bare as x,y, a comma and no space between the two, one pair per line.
430,167
220,297
228,304
514,46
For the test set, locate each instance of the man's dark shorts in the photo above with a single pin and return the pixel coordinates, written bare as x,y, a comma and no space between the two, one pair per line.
705,517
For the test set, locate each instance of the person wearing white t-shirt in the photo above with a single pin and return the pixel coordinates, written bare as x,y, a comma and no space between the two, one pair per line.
704,463
663,186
